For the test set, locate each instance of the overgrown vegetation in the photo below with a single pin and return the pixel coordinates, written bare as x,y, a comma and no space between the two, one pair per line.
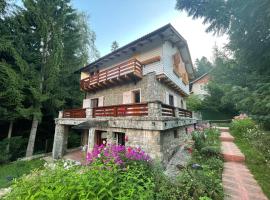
241,73
12,148
119,172
254,143
9,172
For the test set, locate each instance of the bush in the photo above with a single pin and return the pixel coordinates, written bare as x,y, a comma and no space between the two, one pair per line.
210,151
115,172
17,147
240,126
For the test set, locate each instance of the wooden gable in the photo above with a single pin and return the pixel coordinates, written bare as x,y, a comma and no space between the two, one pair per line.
179,67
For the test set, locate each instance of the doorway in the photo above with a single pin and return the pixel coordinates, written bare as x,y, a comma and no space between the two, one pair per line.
101,137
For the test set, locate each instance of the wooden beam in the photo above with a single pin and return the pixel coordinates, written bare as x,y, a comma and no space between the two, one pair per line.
151,60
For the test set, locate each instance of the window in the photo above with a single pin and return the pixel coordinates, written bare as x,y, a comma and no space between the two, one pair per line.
94,103
171,100
175,134
120,138
136,96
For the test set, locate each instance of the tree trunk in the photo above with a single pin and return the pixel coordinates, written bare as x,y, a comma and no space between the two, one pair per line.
32,137
9,133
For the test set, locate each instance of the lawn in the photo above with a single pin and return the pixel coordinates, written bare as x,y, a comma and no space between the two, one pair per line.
255,161
16,170
254,144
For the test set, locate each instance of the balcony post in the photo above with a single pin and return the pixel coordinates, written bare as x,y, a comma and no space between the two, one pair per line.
176,112
154,109
89,112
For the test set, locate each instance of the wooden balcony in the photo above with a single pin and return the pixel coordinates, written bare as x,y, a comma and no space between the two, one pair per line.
74,113
126,71
138,109
125,110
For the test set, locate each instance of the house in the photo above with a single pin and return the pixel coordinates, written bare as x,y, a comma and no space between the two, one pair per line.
198,86
135,96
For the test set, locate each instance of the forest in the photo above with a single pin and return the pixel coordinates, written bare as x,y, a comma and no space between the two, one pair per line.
42,44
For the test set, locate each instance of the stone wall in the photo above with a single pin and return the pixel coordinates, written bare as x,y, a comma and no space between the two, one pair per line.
171,142
151,90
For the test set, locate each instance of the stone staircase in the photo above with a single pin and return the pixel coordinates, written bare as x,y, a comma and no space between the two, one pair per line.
238,182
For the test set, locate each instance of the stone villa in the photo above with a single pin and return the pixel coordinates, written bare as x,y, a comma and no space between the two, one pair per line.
135,96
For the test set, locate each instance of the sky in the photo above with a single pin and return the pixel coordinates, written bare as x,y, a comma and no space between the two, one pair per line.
128,20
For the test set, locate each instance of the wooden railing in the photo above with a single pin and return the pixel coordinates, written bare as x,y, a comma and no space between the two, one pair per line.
184,113
167,110
74,113
140,109
125,68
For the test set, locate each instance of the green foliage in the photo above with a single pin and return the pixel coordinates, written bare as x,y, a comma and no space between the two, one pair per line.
194,103
91,182
203,66
17,169
242,70
242,126
16,149
210,151
114,46
254,143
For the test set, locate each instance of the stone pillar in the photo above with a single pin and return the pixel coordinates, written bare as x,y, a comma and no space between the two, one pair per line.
60,141
110,138
154,109
89,112
91,139
60,114
176,113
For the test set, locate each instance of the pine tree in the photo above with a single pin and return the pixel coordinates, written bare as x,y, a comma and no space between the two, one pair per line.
114,46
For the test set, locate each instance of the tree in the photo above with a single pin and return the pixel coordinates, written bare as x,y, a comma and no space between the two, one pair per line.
247,24
55,39
202,66
12,70
194,103
114,46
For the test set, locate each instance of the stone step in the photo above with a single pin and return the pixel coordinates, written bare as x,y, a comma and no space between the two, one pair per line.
225,136
231,152
224,129
238,183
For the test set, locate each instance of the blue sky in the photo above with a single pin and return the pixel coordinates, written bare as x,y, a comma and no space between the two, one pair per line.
127,20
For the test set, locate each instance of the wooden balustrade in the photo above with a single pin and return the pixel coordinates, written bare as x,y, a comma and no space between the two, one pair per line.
122,71
137,109
184,113
167,110
140,109
74,113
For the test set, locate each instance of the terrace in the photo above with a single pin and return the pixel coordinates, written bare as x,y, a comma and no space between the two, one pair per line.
150,109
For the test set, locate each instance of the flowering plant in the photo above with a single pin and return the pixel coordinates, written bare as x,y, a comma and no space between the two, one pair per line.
117,154
241,117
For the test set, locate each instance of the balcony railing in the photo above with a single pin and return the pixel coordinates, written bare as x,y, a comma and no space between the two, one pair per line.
74,113
123,71
140,109
124,110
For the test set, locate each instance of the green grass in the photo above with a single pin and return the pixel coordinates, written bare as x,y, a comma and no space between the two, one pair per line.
255,160
16,170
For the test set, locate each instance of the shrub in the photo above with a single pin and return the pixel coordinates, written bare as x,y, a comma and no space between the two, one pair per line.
114,172
199,139
17,147
210,151
240,126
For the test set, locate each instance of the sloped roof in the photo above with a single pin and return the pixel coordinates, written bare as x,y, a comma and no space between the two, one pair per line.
199,78
166,32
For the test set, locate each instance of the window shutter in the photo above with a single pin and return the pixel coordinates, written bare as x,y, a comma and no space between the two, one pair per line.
86,103
100,101
127,97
